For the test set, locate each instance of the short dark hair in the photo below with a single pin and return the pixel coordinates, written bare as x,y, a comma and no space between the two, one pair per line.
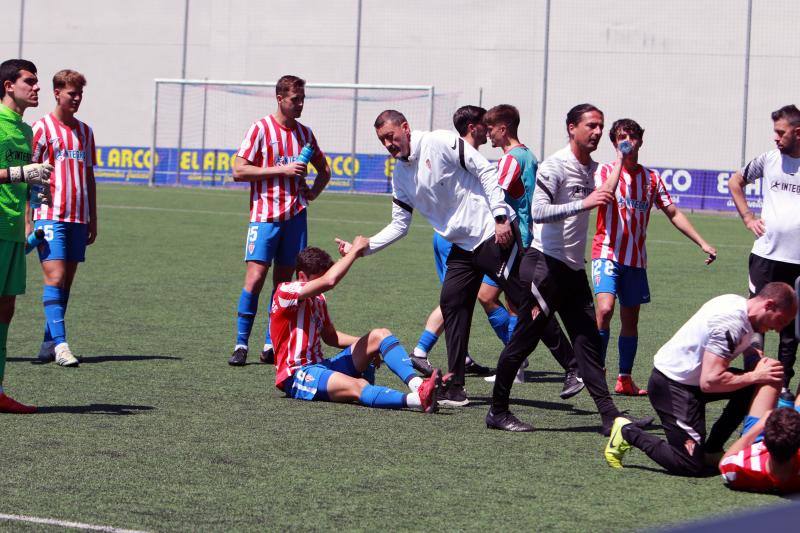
10,71
782,433
790,113
65,77
390,115
505,114
466,115
313,261
288,83
781,293
574,115
626,125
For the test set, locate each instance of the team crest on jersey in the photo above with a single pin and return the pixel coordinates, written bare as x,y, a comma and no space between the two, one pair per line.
251,248
428,163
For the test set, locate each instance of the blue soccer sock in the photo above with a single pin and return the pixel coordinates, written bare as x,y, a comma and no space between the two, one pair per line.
605,335
53,301
267,339
248,306
396,358
382,397
425,343
498,319
64,301
627,353
512,325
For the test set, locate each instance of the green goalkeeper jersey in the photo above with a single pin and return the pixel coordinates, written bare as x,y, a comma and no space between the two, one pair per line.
15,150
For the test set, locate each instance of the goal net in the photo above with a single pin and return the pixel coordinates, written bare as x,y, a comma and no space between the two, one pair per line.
199,124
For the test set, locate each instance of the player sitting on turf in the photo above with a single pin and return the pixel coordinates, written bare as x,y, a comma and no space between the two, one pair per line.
300,321
619,257
766,457
70,223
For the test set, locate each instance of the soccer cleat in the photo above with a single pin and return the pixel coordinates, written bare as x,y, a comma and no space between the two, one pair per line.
786,398
422,365
429,390
11,406
472,367
452,394
267,356
47,353
506,421
627,387
64,356
519,378
239,357
617,445
573,384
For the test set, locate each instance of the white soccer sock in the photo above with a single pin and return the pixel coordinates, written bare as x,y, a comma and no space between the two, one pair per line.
267,347
414,383
413,401
419,352
240,346
468,360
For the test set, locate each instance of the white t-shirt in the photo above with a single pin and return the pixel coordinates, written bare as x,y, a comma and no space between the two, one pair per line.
562,183
721,327
781,211
451,184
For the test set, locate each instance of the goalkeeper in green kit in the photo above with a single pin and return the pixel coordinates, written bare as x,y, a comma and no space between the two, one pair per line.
19,90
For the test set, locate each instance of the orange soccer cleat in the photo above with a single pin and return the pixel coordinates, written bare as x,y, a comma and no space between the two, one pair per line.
627,387
9,405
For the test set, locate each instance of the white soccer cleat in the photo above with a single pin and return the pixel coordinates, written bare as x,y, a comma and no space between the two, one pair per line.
64,356
47,352
519,378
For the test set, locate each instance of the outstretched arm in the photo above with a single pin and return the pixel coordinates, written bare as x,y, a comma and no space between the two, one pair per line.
683,224
334,275
393,231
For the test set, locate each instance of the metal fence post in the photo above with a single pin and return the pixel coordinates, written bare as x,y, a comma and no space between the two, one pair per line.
183,89
354,132
746,81
543,128
152,180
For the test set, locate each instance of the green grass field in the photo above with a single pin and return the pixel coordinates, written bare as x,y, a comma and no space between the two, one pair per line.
155,431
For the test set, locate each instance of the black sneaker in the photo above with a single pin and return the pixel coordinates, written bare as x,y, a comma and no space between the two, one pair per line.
452,394
786,398
267,356
421,365
473,368
506,421
239,357
573,384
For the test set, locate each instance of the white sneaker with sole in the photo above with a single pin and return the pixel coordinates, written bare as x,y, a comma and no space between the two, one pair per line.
64,356
519,378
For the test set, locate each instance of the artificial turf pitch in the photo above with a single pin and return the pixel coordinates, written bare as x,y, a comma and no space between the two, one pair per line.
155,431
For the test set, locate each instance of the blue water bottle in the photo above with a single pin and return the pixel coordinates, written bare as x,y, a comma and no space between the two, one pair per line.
306,154
33,195
34,239
625,147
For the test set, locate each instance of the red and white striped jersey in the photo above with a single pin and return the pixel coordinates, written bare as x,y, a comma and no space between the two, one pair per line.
622,224
268,144
747,470
509,175
71,152
296,329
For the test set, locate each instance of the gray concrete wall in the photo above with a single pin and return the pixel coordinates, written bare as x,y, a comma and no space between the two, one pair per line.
677,67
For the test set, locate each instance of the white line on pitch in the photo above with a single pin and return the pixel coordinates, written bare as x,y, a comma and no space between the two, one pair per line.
65,523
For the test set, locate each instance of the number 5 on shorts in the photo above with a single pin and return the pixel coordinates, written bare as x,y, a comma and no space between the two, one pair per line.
252,234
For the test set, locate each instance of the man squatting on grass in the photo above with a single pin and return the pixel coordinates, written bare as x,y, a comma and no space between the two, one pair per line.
19,90
693,369
300,321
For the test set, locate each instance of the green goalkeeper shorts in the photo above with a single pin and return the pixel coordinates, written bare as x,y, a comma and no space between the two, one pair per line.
12,268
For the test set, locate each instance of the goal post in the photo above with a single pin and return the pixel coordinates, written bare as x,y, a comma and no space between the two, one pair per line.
197,126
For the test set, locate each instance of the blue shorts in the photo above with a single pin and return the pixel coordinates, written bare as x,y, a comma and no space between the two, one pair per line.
441,249
628,284
310,382
281,241
64,241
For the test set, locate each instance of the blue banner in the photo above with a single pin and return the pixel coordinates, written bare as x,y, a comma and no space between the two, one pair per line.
689,188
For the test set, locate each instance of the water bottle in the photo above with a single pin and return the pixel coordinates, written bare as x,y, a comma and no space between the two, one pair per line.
306,154
33,195
34,239
625,147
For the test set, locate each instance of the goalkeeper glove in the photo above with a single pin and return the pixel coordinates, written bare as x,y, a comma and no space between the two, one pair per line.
35,174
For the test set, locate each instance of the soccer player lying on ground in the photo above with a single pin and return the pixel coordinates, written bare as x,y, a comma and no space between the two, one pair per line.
766,457
300,321
619,256
692,369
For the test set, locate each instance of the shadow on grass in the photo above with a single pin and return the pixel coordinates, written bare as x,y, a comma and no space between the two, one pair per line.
539,404
92,359
95,409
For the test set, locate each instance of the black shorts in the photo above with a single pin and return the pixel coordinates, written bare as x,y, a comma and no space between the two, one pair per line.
553,283
763,271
